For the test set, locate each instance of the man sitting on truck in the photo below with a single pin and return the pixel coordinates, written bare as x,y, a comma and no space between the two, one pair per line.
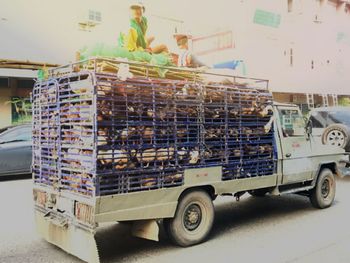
185,57
136,38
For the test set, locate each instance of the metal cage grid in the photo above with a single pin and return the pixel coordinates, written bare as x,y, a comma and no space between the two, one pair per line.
106,135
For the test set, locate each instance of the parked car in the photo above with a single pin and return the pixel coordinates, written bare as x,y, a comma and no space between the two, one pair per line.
332,125
15,150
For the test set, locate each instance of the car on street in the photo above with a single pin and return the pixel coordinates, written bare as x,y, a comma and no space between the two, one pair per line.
332,125
15,150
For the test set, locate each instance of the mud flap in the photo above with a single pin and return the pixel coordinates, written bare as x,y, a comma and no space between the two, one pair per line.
147,229
74,240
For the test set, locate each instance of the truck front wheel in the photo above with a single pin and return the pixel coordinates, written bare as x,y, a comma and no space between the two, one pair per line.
193,219
322,196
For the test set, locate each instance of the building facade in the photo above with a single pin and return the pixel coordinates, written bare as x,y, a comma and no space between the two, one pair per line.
301,46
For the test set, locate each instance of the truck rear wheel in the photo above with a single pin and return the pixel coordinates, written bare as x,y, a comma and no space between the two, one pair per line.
193,219
323,194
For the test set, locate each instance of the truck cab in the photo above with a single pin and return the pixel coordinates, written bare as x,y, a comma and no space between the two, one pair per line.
300,157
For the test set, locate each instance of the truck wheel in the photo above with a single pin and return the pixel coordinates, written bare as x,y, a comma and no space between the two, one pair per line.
258,192
193,219
323,194
336,134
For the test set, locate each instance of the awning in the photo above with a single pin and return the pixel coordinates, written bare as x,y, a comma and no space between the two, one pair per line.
24,64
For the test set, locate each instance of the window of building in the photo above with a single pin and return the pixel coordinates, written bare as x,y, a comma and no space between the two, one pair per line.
4,82
25,83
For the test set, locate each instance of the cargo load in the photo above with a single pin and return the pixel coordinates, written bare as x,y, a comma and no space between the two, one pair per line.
120,141
115,127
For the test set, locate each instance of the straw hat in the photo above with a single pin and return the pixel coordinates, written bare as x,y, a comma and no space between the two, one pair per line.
138,5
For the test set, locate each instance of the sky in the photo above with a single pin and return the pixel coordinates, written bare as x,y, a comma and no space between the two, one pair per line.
47,31
38,29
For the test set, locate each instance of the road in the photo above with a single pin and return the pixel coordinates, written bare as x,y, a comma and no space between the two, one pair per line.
271,229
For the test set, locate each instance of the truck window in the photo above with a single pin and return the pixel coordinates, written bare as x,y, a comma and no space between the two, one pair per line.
292,123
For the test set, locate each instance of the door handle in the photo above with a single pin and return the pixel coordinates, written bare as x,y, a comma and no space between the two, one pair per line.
288,155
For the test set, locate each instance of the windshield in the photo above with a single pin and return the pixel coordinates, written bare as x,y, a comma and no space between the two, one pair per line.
339,117
292,122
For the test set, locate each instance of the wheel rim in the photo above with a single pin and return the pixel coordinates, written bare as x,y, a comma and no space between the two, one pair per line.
192,217
336,138
325,188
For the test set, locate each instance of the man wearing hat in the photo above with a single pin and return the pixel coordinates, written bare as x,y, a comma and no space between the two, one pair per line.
136,39
185,57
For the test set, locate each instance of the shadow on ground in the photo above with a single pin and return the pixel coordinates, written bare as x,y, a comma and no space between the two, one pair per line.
15,177
115,243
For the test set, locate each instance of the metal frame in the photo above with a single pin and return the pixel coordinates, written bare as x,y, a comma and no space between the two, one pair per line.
118,136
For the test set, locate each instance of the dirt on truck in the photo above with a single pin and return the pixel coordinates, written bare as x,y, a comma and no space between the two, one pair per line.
114,141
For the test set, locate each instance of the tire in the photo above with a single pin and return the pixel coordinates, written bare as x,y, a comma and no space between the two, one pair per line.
258,192
323,194
180,229
336,134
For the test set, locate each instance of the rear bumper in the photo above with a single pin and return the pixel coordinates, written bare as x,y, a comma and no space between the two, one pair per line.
73,239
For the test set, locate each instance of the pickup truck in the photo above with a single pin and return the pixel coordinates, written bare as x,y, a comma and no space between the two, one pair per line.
208,139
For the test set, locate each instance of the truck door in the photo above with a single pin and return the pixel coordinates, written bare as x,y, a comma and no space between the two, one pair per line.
296,149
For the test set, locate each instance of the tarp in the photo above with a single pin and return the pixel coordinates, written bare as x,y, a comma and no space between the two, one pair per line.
105,50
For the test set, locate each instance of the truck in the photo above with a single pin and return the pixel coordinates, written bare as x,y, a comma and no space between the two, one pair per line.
113,141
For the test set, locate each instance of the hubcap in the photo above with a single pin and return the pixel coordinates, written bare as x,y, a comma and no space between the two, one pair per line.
192,217
336,138
325,188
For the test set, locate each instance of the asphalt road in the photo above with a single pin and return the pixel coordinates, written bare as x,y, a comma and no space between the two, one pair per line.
270,229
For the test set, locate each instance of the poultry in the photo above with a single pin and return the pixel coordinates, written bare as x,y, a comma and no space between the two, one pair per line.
247,132
87,181
126,133
250,150
265,111
233,132
182,154
267,148
248,110
146,156
181,132
194,157
236,152
164,154
105,157
172,178
104,90
147,133
150,181
233,112
121,156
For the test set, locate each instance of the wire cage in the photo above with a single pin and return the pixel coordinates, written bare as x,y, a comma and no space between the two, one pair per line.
96,132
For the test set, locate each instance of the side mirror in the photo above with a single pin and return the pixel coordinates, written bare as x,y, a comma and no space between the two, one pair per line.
308,128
